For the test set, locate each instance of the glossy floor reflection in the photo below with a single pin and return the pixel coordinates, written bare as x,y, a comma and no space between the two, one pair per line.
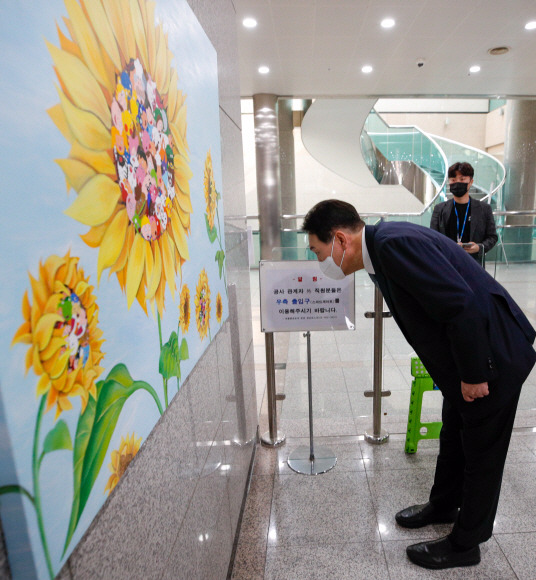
341,524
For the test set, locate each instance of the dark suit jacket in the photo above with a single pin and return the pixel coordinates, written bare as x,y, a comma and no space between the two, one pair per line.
482,225
461,322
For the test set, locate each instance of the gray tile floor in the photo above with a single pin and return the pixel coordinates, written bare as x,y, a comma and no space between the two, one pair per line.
341,524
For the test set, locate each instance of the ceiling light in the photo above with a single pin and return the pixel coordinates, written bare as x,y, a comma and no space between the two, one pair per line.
530,25
367,69
387,23
249,22
498,50
264,70
474,69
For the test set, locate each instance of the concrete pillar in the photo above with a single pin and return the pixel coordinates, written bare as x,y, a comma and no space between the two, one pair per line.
268,173
287,169
520,163
286,158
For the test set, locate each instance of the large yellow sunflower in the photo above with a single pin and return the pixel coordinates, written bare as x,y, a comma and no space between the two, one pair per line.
121,459
219,308
184,309
211,196
61,329
202,304
125,119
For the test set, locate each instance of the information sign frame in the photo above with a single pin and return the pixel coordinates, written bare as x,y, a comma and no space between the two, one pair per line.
296,296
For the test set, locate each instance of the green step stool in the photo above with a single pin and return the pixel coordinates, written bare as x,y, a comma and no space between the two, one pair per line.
416,429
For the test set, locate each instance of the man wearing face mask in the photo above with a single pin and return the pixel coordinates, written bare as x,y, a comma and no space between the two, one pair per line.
463,219
475,342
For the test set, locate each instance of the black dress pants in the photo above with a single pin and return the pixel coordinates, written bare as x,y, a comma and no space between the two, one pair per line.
472,451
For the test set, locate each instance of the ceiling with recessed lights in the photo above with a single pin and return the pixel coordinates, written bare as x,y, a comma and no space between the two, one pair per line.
321,48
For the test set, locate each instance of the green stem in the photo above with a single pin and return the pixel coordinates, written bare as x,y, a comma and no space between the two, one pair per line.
37,494
161,345
221,248
15,488
178,344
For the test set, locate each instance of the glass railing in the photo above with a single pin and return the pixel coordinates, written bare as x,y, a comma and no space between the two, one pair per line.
404,143
490,173
433,154
517,243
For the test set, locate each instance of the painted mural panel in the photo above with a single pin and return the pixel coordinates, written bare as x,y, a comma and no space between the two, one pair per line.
113,258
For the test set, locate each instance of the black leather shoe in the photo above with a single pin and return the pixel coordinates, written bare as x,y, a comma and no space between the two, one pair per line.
439,554
425,514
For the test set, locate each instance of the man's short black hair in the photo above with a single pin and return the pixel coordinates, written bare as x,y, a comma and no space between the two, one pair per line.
464,168
329,215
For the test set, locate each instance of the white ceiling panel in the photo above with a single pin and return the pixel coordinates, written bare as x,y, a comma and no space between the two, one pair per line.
317,47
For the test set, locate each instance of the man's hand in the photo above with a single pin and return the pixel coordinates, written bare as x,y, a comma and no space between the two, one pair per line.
471,392
472,249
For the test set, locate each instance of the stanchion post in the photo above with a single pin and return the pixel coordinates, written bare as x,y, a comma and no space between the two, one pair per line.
378,435
273,438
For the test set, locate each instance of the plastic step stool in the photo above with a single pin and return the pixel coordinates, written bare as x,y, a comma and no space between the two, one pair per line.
417,430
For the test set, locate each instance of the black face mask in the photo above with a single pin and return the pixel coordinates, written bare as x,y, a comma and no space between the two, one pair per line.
458,189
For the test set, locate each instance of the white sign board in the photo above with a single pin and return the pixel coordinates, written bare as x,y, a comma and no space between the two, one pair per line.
295,295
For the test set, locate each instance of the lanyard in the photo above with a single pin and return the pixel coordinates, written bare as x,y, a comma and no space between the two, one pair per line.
458,233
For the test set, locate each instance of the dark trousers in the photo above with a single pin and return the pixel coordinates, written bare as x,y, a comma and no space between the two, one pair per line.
472,451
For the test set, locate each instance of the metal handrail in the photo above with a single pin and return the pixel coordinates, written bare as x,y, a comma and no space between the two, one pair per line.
441,152
297,216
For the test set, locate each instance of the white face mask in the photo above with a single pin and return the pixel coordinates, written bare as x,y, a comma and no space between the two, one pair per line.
330,269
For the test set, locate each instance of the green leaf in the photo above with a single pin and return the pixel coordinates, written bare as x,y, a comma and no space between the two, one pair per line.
183,351
220,258
58,438
15,488
95,428
81,440
212,232
168,365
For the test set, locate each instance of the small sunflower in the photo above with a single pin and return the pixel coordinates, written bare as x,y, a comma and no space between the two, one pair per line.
184,309
202,304
125,120
219,308
121,459
61,329
211,195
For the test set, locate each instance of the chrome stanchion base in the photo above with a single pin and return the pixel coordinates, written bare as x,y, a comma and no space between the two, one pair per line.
300,460
267,441
383,437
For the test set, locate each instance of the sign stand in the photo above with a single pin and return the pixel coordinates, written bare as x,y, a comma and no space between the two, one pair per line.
304,459
297,296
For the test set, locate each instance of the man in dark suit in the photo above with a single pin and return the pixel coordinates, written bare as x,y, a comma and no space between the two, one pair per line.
465,220
475,342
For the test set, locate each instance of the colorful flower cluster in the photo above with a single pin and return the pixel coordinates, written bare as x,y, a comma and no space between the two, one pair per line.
143,151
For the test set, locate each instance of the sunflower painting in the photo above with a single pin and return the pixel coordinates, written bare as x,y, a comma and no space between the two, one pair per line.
125,120
219,308
60,328
184,309
211,195
117,101
202,305
121,459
